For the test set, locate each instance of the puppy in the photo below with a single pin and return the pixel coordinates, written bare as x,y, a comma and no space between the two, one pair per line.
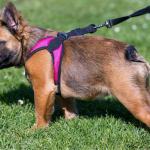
92,66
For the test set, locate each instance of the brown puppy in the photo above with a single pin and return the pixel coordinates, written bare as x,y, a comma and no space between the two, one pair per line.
92,66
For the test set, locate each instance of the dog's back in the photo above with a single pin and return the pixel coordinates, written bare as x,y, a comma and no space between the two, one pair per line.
89,61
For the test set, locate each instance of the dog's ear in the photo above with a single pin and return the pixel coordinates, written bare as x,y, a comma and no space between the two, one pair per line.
11,17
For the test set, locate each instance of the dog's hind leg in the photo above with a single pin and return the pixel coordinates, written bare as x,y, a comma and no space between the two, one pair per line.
137,104
132,91
68,106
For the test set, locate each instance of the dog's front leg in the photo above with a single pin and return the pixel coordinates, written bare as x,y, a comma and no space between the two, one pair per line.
41,74
44,105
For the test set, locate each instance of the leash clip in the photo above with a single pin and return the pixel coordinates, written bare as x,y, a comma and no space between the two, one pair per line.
108,24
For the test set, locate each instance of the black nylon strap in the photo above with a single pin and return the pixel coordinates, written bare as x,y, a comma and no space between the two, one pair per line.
55,43
88,29
79,31
38,49
59,70
62,36
135,14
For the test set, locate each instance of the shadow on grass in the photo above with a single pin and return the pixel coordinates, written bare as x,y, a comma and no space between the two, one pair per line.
12,96
108,106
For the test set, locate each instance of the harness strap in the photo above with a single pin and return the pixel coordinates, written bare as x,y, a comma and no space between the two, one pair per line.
78,31
62,36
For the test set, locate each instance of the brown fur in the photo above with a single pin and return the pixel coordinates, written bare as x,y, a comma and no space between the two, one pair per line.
92,67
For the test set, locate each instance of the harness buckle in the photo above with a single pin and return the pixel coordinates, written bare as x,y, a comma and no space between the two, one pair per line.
63,35
94,28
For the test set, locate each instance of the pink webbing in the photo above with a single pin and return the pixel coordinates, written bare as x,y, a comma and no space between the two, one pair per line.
56,53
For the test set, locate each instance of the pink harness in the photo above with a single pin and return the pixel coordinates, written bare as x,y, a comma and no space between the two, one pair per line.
56,55
56,48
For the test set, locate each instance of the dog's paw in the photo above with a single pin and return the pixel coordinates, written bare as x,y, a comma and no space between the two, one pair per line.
70,116
35,127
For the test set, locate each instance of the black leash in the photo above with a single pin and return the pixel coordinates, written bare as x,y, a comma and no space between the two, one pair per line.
93,28
62,36
109,23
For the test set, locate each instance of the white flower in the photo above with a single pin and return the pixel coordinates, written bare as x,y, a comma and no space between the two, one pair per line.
145,25
21,101
23,73
111,5
134,27
117,29
130,12
5,77
147,16
129,20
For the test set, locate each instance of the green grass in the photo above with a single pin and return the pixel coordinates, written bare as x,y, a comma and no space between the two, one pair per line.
103,124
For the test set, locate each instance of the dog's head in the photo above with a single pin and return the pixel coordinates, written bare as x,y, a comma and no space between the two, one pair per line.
11,33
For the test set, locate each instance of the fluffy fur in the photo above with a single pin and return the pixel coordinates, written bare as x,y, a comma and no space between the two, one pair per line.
92,66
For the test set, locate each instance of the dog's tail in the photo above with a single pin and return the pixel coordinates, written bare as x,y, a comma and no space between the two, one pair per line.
131,54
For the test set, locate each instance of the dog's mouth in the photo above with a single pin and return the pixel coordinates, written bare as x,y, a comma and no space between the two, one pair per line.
5,64
6,59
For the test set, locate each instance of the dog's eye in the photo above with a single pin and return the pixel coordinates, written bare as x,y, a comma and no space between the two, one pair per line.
2,43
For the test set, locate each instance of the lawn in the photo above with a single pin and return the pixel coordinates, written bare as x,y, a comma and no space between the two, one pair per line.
103,124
